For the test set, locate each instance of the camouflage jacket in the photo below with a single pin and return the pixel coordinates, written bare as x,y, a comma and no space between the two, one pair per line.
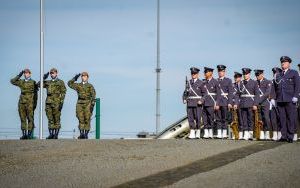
86,92
28,88
56,91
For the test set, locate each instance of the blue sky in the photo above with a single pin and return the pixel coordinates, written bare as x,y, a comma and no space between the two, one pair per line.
115,41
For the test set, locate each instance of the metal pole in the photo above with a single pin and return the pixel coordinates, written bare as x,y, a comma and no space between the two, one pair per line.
158,71
98,118
41,66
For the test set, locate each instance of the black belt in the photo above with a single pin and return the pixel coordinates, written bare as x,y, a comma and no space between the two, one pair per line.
26,93
55,94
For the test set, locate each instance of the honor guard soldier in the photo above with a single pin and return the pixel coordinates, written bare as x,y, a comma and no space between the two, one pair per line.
297,129
236,100
265,88
248,103
226,101
287,93
27,102
211,102
192,98
56,91
274,114
85,103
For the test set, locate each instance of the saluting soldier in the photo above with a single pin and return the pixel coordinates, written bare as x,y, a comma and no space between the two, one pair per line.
226,101
287,93
248,103
56,91
274,114
211,102
27,102
192,97
236,100
85,103
265,88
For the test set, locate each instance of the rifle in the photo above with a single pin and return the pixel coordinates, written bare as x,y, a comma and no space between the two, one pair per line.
235,124
187,89
258,124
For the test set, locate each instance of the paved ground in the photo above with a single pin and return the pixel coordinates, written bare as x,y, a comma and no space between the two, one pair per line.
148,163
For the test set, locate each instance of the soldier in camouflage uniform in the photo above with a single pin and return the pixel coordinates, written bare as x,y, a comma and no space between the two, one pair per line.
56,91
85,103
27,102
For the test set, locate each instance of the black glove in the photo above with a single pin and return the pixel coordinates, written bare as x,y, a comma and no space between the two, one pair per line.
21,73
76,76
92,108
61,106
46,76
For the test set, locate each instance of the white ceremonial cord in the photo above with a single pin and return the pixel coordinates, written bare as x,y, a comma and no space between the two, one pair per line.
275,79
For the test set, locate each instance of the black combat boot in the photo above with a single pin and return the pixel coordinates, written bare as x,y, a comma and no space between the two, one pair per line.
29,134
50,134
56,131
23,137
86,134
81,136
26,135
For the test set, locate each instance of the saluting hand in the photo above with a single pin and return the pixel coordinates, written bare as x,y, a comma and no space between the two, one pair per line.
46,76
76,76
21,73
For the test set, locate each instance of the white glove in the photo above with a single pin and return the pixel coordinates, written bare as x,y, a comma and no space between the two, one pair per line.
295,99
273,102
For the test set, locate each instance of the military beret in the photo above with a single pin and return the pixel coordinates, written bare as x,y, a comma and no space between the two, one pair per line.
194,70
221,67
258,72
27,71
276,69
207,69
285,59
246,71
84,74
237,75
53,70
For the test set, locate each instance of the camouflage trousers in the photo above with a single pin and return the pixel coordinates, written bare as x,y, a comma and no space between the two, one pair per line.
53,114
26,113
83,114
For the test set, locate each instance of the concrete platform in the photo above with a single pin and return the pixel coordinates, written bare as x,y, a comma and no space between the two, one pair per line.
148,163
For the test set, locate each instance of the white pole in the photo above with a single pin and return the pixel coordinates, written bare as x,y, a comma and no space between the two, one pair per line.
158,70
41,67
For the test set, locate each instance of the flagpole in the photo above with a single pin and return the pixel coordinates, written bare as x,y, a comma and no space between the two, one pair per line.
158,71
41,67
